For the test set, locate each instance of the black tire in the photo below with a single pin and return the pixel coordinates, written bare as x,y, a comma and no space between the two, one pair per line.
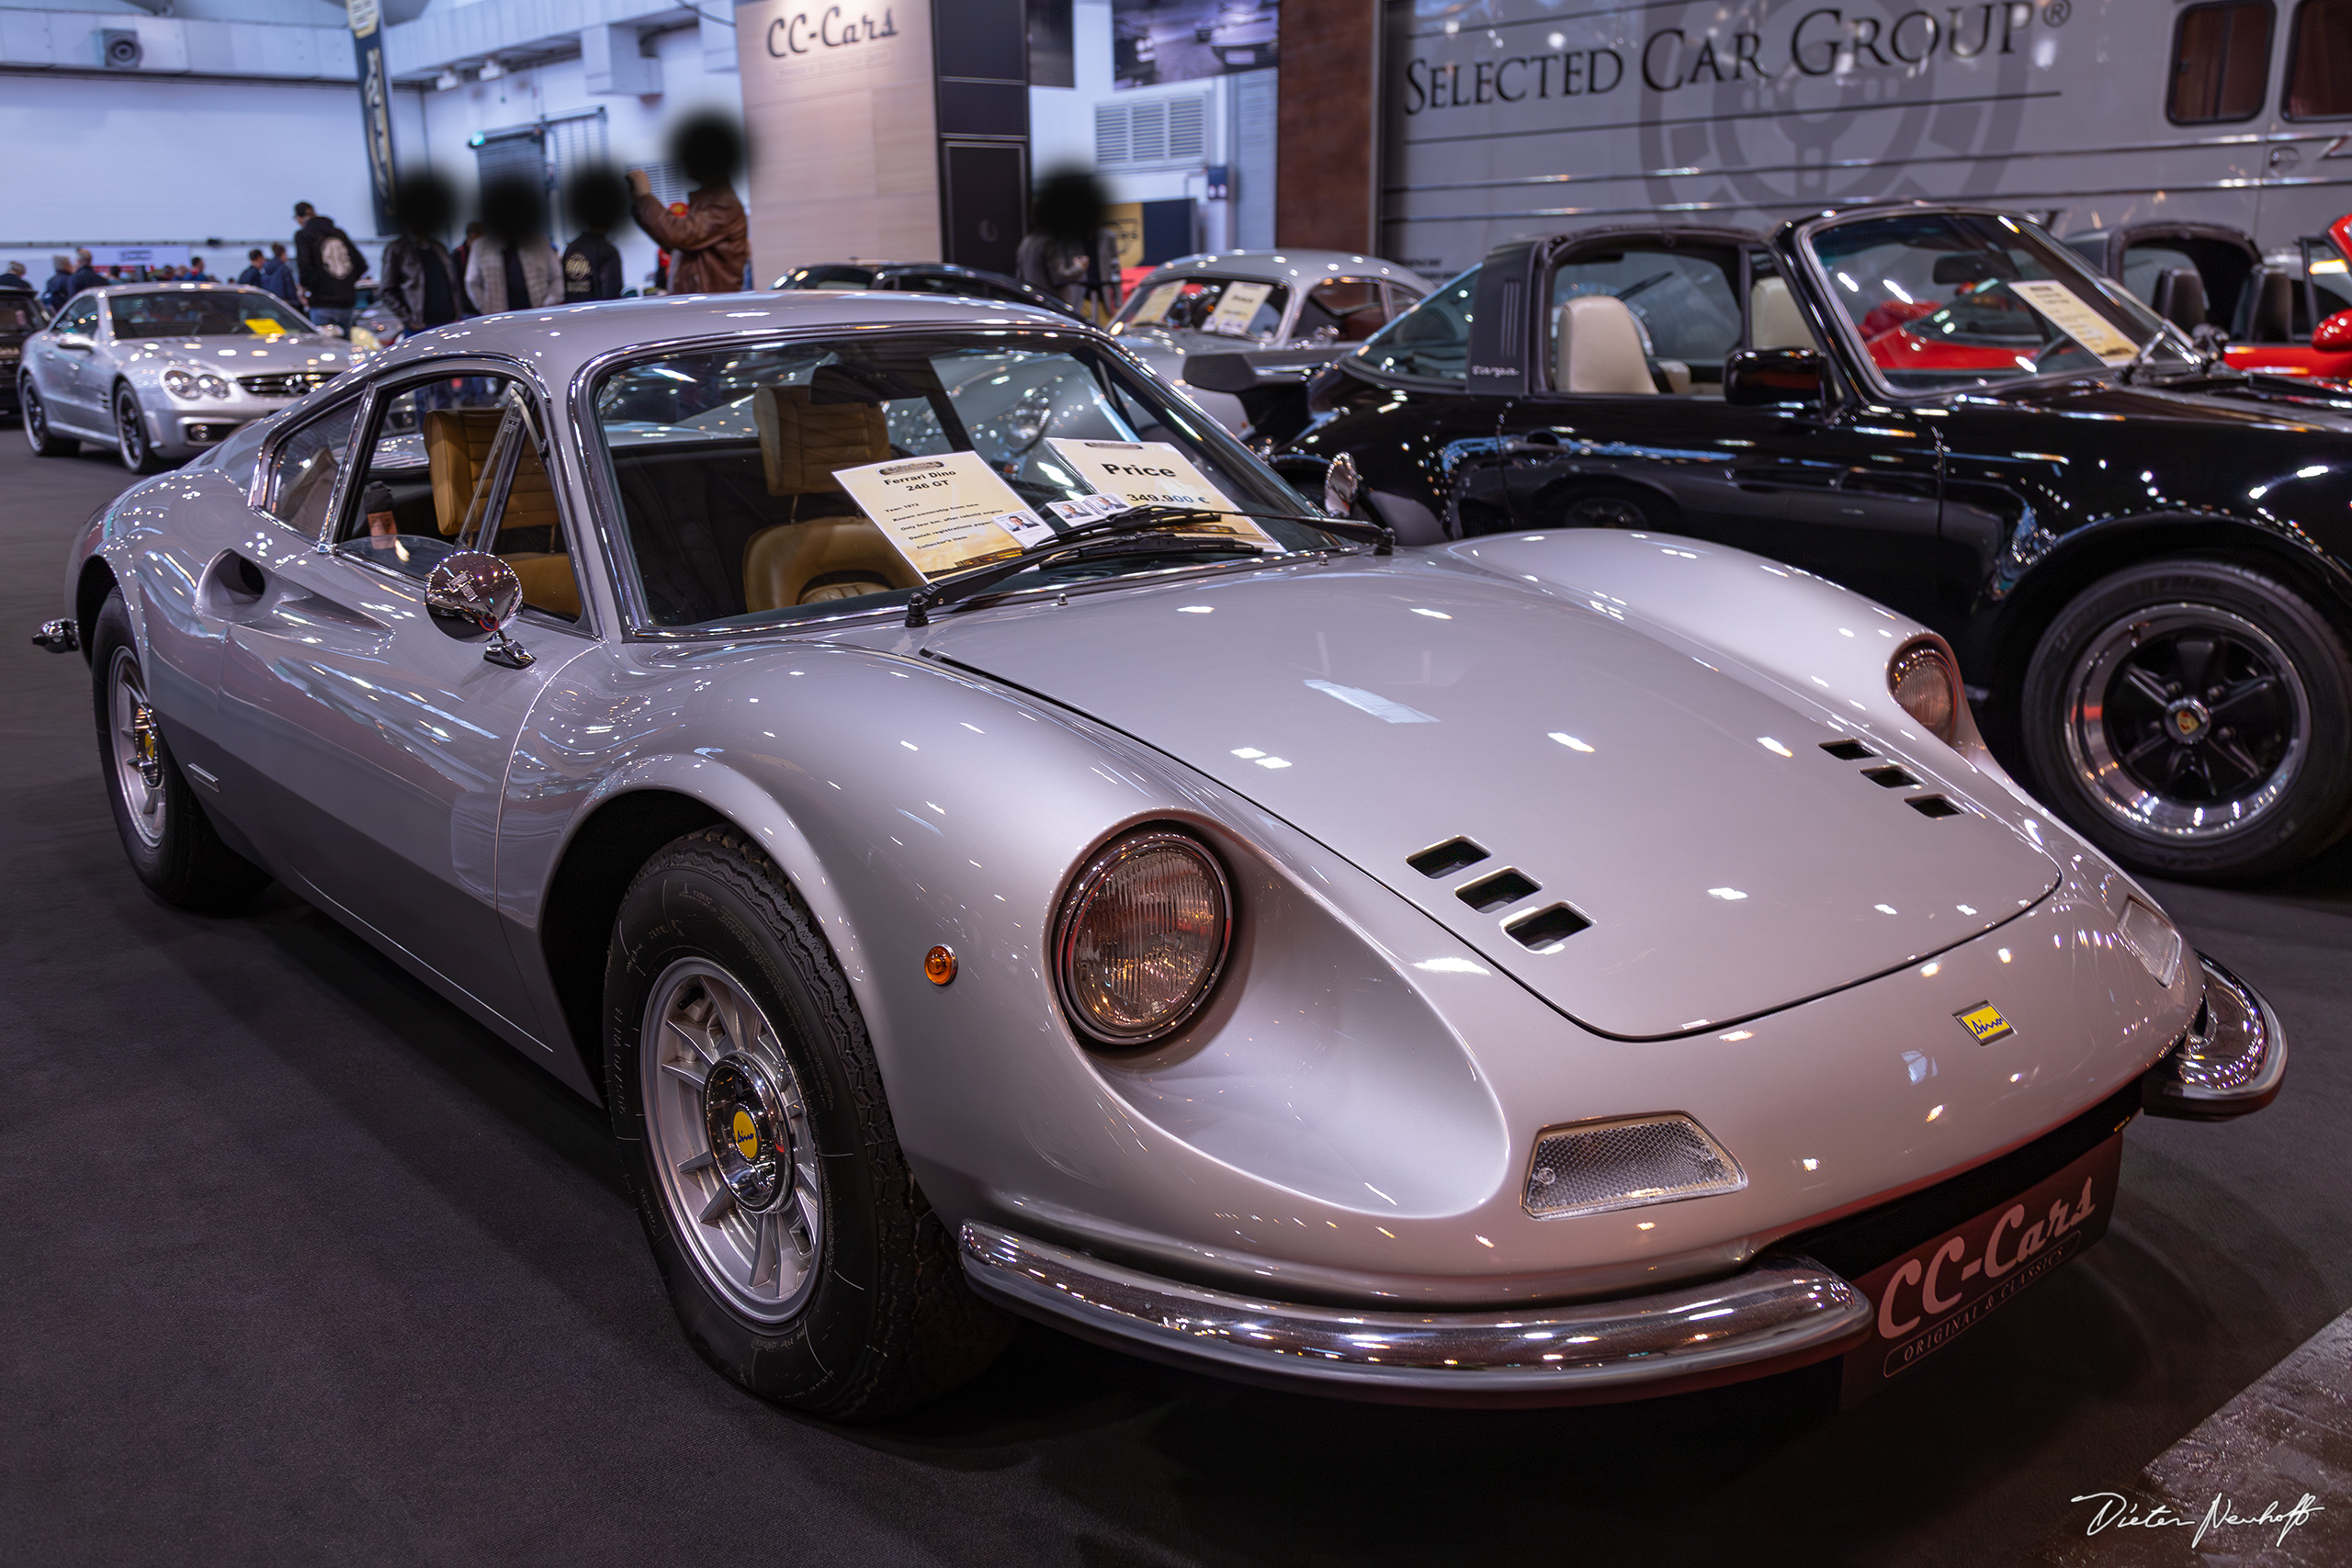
38,434
2194,719
131,439
172,845
883,1320
1612,505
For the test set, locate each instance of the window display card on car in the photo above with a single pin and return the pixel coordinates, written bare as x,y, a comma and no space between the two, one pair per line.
1154,305
1237,308
1153,473
944,512
2065,310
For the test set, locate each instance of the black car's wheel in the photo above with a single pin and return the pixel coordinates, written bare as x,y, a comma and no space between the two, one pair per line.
1613,506
802,1260
131,434
38,436
2195,719
172,845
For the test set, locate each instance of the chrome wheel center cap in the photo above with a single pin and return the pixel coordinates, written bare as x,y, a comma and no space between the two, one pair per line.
2188,719
750,1140
145,750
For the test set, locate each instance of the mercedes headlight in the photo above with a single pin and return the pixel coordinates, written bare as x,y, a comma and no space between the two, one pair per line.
189,385
1927,685
1141,936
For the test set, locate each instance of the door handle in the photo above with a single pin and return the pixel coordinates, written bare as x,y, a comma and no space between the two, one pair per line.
2285,157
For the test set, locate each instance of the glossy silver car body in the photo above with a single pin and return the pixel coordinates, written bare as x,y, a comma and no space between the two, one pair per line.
1334,1156
1289,346
79,377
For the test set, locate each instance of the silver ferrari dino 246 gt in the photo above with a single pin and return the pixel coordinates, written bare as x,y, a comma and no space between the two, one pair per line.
992,843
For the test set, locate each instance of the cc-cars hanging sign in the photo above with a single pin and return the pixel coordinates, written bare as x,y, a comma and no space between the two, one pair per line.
1507,119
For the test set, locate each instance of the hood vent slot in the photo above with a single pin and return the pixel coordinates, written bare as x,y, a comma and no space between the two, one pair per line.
1545,929
1932,806
1491,893
1848,750
1889,777
1442,860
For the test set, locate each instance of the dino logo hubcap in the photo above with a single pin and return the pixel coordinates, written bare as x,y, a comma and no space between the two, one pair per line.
750,1140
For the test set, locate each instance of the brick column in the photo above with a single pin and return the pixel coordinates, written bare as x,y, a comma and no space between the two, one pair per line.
1327,126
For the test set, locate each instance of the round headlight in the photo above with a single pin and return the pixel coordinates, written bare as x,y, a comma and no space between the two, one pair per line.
1141,936
180,383
1927,685
212,386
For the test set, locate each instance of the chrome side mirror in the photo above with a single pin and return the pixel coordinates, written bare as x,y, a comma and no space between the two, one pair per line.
471,595
1340,485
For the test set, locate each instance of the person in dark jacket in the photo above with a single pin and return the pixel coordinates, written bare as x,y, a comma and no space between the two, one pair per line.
277,276
85,275
251,278
592,263
328,266
419,278
14,279
59,286
711,240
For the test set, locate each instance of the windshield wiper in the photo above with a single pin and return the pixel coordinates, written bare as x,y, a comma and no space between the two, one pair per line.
1086,538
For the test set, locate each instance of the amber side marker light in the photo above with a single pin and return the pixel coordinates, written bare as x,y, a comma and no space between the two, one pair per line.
939,966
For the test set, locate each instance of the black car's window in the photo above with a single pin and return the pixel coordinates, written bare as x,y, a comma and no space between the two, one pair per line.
2319,60
303,467
246,313
455,464
828,278
2330,283
18,315
1963,299
2220,61
1432,340
1230,307
81,317
1685,305
725,462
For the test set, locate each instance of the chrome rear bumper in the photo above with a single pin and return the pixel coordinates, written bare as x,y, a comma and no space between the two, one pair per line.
1783,1312
2232,1061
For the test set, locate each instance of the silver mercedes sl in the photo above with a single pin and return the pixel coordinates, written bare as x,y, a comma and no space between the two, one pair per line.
161,371
992,843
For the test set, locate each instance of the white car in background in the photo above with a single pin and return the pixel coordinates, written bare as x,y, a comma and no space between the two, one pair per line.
1286,313
161,371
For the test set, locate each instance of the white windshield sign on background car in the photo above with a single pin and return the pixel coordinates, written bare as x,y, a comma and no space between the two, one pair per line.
2065,310
1235,311
944,512
1154,305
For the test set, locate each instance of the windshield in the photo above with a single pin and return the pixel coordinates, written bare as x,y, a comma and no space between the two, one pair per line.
1944,301
211,312
1230,307
766,484
828,278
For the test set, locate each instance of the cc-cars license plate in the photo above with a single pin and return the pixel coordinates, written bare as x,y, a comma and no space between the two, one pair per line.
1940,1290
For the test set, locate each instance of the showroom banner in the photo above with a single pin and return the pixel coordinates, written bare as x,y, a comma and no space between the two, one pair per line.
837,107
375,108
1508,118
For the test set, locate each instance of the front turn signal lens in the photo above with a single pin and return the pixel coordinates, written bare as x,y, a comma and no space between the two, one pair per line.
1926,684
1141,936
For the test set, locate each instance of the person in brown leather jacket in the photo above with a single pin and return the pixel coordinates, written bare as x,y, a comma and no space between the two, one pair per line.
710,242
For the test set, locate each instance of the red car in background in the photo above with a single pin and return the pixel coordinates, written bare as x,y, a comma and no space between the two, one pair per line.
2284,315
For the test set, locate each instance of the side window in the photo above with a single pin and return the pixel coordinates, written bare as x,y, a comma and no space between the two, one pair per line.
1343,310
1684,305
81,317
303,471
2319,60
2220,61
1432,340
2331,284
456,464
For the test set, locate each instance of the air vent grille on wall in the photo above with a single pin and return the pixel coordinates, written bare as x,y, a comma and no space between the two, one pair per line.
1155,130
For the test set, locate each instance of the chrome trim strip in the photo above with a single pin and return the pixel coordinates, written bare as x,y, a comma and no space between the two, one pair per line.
2233,1065
1786,1308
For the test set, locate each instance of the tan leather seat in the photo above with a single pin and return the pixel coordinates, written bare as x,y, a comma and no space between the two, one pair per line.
1773,320
801,443
1596,347
1677,374
457,447
548,582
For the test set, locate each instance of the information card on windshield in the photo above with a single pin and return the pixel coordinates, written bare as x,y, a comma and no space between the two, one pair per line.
2067,312
1154,473
1237,308
944,512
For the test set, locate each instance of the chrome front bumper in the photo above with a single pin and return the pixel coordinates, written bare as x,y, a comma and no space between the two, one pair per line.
1783,1312
2232,1061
